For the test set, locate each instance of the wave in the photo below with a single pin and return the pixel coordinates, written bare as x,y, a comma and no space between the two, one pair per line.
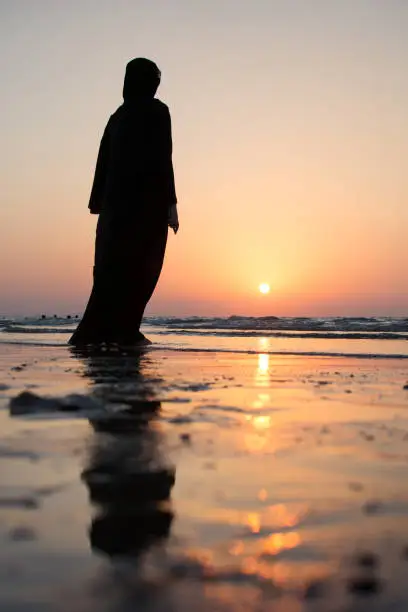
233,333
272,323
338,335
215,350
284,353
21,329
5,322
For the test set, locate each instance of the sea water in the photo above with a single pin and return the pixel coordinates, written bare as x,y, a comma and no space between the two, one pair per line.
332,336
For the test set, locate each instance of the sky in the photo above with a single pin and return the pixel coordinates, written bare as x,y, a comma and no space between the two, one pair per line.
290,139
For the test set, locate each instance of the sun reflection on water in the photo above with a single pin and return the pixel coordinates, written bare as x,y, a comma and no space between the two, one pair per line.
262,371
255,442
277,542
261,422
257,437
261,401
282,516
253,520
263,363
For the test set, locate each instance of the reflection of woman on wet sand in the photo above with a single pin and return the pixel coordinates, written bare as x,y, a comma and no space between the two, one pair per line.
134,194
127,479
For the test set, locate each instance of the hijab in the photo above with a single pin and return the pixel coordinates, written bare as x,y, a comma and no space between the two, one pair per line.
142,78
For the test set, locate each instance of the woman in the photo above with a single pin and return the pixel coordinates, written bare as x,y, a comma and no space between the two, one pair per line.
134,194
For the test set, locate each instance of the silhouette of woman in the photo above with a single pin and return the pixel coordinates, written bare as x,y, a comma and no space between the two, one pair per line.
134,194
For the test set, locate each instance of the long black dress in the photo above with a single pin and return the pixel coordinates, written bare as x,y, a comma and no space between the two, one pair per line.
132,191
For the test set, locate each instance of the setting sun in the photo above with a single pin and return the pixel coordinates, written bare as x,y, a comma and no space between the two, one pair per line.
264,288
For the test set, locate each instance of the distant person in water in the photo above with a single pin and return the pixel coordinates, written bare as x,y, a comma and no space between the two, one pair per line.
134,194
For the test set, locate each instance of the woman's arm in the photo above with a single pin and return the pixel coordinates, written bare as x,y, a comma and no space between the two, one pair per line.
99,182
165,155
169,175
163,149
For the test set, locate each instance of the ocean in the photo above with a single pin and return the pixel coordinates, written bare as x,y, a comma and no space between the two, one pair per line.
369,337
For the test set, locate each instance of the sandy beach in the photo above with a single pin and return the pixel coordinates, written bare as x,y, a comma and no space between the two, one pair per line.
180,480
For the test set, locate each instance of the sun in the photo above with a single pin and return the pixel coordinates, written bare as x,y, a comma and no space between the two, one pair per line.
264,288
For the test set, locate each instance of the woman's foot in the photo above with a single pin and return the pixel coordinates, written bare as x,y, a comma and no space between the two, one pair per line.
141,340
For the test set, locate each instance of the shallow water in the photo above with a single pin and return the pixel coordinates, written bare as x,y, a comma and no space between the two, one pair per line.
177,480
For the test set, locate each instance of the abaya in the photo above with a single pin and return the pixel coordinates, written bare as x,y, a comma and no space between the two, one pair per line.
132,192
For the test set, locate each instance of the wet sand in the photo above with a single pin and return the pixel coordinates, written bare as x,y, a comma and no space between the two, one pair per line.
202,481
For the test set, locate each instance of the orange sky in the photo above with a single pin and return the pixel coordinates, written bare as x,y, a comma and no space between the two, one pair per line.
290,149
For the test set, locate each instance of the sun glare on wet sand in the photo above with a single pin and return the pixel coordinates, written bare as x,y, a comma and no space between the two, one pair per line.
264,288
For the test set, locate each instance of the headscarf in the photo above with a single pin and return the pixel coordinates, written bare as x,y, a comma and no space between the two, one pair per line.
142,78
